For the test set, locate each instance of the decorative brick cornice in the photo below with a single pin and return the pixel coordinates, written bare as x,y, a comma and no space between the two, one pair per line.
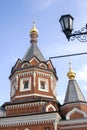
29,120
73,104
25,105
42,74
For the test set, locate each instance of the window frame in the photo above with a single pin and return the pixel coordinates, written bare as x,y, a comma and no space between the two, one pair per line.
45,81
24,80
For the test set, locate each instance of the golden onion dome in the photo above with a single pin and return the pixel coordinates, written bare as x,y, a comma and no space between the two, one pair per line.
34,29
71,74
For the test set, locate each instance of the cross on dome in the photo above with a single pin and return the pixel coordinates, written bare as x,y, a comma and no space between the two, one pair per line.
71,74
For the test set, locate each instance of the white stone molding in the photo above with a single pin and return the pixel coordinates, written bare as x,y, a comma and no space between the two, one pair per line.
46,84
42,74
22,85
29,120
14,85
50,106
55,125
34,58
2,113
34,76
49,62
73,111
25,105
26,63
43,64
53,86
74,104
25,73
35,94
26,129
79,126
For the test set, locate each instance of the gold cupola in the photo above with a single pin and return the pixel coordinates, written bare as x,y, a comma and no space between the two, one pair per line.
71,74
33,34
34,29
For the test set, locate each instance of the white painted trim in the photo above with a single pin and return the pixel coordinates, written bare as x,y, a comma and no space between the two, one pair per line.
74,104
46,84
26,129
50,106
34,58
24,64
71,122
25,105
22,85
34,76
43,64
73,127
35,94
32,119
75,110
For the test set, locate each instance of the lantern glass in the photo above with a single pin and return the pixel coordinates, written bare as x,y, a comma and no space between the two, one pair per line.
66,22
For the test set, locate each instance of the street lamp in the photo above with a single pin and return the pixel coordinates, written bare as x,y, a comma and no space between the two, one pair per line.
66,22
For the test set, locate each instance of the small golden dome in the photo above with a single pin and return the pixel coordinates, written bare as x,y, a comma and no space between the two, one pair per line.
71,74
34,29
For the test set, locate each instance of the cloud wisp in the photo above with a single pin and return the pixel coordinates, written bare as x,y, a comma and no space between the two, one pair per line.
42,5
82,74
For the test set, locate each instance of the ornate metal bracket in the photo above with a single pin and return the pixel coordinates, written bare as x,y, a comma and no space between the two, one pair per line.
81,35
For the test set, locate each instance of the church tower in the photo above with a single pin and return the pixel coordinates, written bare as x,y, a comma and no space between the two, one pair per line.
33,100
33,77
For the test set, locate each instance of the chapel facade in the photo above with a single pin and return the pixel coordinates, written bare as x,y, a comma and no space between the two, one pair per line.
33,100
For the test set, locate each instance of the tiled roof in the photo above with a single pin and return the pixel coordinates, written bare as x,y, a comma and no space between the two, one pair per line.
73,93
33,51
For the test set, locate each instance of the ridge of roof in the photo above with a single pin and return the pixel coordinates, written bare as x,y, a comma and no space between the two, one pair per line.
33,50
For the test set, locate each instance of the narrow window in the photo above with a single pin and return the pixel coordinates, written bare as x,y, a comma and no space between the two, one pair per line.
42,83
26,84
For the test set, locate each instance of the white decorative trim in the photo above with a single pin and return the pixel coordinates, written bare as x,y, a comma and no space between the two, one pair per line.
50,64
14,85
26,129
75,110
25,105
55,125
73,127
28,120
24,64
43,64
46,89
74,104
34,58
71,122
34,76
50,106
22,85
25,73
35,94
43,74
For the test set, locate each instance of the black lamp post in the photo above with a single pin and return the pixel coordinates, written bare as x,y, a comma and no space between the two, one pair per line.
66,22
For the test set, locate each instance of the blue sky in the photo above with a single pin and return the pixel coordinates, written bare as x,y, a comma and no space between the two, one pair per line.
16,19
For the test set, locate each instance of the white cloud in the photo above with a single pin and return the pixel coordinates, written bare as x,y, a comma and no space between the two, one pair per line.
44,4
82,74
47,3
60,98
